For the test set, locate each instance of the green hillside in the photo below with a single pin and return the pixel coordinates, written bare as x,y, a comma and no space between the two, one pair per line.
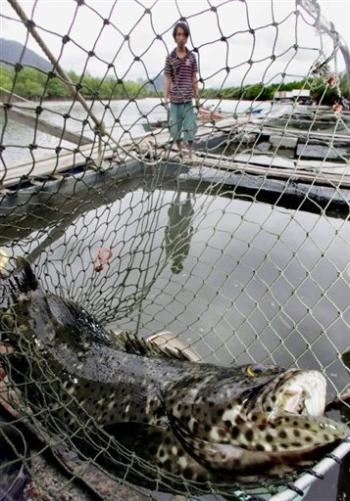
31,83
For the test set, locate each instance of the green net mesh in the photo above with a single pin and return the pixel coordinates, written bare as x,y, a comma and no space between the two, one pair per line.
242,253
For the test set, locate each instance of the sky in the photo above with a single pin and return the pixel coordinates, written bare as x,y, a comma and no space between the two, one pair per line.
247,26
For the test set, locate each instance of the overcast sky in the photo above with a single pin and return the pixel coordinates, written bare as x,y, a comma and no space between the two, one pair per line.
232,19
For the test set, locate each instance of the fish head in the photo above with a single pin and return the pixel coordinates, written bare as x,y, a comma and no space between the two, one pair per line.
286,416
257,416
293,391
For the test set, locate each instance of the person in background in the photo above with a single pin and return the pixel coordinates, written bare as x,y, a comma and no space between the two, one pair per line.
181,87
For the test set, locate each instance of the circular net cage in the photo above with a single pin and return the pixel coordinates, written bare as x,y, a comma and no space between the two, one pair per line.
234,252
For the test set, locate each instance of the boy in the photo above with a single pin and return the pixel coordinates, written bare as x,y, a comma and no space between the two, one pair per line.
180,88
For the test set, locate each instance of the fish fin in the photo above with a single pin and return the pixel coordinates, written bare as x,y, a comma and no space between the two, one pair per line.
136,436
168,340
75,322
227,456
131,343
223,457
192,444
159,445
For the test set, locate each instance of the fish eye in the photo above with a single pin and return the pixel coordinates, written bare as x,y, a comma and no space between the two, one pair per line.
254,370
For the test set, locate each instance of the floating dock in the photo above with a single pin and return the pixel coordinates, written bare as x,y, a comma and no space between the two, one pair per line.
232,152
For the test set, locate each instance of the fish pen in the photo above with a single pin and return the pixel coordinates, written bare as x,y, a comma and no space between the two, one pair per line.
174,326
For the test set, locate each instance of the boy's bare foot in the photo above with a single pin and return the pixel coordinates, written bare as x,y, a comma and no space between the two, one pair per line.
193,160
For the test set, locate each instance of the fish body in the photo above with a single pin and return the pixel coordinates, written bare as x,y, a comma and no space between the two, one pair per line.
202,421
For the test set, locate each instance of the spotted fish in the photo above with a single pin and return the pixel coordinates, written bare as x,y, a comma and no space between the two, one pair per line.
198,420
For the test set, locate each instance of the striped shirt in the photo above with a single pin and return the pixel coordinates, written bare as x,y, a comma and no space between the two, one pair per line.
181,71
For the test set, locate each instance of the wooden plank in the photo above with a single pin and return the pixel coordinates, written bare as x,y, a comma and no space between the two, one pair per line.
290,174
229,122
161,137
48,166
268,130
53,165
309,165
332,172
320,152
135,147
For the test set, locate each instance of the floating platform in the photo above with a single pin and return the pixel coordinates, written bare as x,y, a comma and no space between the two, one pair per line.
246,154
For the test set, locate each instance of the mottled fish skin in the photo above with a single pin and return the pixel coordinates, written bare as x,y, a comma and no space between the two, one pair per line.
200,420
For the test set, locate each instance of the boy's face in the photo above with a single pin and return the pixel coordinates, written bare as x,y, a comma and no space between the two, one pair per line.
180,37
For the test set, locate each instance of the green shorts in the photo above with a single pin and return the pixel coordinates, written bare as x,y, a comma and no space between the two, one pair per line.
182,119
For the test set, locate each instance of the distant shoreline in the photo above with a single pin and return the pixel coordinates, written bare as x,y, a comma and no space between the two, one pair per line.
32,85
4,97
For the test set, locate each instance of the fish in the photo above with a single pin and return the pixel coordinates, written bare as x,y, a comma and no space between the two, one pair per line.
169,341
115,393
3,259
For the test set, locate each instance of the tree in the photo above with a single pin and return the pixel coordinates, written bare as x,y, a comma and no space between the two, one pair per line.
6,78
28,83
56,88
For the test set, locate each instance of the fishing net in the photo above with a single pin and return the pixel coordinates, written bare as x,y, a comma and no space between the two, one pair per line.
243,253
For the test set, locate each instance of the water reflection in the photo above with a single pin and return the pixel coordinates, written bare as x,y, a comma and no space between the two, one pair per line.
236,280
179,231
246,281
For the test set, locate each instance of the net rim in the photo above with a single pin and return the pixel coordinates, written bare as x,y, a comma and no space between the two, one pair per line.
307,479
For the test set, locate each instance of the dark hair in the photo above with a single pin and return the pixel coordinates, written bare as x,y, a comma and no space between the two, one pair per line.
182,25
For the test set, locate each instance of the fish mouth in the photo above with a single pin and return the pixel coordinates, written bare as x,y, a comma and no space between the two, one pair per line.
284,426
287,418
298,392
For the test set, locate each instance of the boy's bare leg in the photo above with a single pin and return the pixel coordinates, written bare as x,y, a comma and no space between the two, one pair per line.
179,146
190,148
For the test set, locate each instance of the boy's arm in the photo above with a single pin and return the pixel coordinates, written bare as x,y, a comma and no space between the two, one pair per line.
195,88
195,82
167,88
167,81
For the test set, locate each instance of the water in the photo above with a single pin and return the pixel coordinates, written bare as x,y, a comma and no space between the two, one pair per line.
130,117
237,280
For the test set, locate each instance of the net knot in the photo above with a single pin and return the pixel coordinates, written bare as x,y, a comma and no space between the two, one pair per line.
30,24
